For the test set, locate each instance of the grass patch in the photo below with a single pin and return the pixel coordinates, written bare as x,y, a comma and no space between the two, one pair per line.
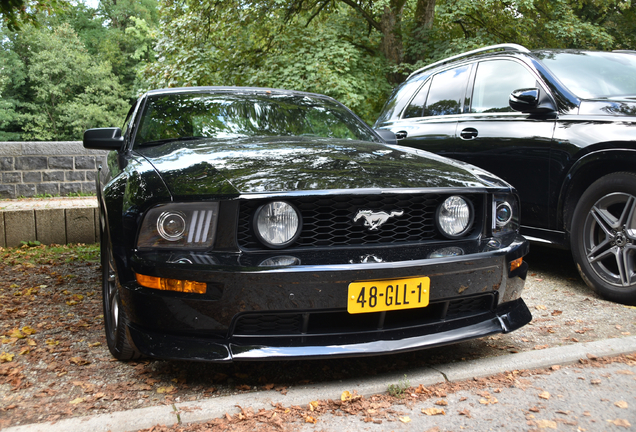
398,390
35,253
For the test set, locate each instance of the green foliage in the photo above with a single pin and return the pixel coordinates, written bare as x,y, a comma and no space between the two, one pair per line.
241,46
56,89
462,25
15,13
398,390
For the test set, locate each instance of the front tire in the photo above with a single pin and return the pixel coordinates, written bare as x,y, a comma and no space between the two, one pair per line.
118,340
603,237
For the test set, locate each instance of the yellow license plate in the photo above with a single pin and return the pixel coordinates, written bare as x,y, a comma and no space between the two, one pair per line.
388,295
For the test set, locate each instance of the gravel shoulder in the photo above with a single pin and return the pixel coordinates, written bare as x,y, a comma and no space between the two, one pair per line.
60,367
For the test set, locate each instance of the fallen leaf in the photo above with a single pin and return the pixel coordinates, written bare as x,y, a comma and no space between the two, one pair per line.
433,411
76,401
405,419
15,333
556,312
6,357
28,330
166,390
625,372
79,361
465,412
621,404
595,381
540,347
31,342
441,402
544,395
243,387
546,424
345,396
310,419
540,307
620,422
313,405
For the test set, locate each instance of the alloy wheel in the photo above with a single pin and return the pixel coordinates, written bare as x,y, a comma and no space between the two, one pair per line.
609,237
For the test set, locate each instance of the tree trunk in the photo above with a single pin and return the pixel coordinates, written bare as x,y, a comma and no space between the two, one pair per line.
391,25
425,13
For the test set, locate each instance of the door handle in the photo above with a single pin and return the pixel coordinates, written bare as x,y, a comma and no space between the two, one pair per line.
400,135
469,133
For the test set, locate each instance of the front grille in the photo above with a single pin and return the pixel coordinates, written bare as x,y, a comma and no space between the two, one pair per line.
328,220
340,322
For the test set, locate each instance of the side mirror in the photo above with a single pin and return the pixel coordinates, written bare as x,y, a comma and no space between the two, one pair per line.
531,101
103,139
386,135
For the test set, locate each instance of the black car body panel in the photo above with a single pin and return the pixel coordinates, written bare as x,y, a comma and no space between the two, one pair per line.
292,302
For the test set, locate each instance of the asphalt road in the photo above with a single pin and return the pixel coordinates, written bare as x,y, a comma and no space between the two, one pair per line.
575,398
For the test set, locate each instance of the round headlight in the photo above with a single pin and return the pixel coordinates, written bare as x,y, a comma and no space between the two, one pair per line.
503,215
171,225
277,224
454,217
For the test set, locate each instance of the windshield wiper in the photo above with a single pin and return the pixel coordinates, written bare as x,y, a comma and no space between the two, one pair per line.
167,140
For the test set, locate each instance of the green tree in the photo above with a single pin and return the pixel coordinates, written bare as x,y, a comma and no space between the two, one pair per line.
53,88
256,46
14,13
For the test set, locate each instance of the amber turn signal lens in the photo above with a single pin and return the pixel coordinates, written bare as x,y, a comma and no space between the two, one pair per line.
516,264
171,284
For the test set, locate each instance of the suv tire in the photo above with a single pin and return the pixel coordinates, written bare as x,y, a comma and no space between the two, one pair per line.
603,237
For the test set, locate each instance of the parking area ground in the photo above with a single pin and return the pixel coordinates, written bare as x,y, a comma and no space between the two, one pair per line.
55,364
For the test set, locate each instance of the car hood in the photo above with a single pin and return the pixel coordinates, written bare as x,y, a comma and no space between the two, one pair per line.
615,107
283,164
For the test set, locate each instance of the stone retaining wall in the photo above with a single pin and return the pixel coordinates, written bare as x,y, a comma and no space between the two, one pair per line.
56,168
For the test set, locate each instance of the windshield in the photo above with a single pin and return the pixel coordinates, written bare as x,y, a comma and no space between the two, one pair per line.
179,116
593,75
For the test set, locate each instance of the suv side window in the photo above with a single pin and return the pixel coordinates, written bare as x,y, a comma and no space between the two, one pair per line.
494,82
441,95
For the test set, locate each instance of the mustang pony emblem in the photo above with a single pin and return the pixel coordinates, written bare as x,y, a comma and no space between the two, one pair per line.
374,220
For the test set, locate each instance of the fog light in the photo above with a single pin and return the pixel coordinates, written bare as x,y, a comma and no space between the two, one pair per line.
454,217
277,224
280,261
446,252
177,285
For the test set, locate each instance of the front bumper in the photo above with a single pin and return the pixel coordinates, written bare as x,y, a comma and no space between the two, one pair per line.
300,312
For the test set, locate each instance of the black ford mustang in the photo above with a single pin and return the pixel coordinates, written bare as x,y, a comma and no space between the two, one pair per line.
242,223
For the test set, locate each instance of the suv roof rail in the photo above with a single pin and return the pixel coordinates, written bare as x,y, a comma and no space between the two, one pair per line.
625,51
502,47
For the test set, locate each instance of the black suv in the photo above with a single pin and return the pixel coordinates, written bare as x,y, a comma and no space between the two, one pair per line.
559,125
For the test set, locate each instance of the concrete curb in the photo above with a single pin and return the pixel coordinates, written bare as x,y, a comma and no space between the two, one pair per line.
203,410
54,220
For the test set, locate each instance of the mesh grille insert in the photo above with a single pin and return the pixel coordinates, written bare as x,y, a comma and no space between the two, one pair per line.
328,220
